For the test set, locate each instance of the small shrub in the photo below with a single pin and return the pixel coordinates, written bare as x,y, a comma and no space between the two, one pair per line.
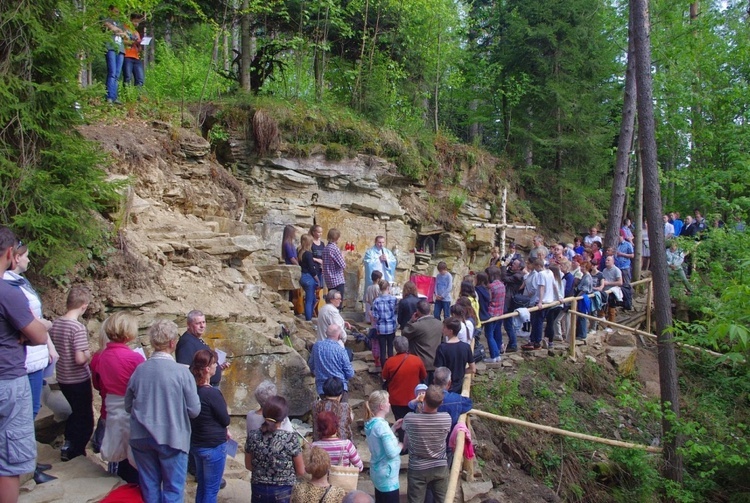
372,148
299,150
335,152
265,132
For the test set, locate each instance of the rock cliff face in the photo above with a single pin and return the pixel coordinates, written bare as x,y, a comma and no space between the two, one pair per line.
192,235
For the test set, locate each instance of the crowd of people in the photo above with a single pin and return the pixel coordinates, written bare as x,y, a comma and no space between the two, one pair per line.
164,417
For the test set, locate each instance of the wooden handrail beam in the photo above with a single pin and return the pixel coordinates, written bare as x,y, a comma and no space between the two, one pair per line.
566,433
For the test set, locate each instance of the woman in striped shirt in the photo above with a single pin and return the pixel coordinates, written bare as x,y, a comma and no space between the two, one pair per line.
341,451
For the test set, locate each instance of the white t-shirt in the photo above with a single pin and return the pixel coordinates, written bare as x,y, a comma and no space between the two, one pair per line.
467,332
547,279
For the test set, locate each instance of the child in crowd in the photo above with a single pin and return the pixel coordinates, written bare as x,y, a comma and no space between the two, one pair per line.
443,289
372,293
384,319
73,375
418,403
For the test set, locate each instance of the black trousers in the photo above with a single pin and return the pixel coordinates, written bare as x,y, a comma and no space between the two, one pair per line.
80,423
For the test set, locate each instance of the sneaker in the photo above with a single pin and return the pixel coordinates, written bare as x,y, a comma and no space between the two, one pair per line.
550,345
511,349
489,360
529,347
498,358
65,454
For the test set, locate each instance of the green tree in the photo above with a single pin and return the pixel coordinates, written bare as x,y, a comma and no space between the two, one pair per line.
555,96
51,181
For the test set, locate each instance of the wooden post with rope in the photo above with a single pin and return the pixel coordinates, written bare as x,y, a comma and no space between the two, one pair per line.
572,331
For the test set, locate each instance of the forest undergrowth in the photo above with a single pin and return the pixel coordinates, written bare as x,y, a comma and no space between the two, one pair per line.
592,398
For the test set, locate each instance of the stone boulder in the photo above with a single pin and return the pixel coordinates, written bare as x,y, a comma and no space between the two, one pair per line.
621,339
450,245
193,146
256,356
280,276
623,358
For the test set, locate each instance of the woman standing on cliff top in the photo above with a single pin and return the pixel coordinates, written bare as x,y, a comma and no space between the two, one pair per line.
288,250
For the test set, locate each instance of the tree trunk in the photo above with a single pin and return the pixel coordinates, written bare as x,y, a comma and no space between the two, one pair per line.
437,85
652,194
474,126
357,91
638,258
624,144
246,57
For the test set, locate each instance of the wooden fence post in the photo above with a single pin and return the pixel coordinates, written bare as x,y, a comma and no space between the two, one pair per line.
573,326
649,301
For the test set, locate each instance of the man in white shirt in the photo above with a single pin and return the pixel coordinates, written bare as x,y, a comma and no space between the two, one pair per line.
593,236
611,277
330,315
544,293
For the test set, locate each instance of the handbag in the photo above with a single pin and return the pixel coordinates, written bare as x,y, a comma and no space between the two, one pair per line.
345,477
521,300
387,381
479,352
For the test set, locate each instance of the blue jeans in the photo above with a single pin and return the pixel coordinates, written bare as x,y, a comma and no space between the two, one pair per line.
494,333
386,346
444,307
551,315
161,471
308,284
132,69
510,327
209,468
581,327
36,381
268,493
537,326
114,66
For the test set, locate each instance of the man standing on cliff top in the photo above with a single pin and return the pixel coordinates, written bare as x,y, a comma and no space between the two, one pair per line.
379,258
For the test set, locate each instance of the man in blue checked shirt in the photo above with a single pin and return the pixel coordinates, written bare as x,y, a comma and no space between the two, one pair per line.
330,359
384,319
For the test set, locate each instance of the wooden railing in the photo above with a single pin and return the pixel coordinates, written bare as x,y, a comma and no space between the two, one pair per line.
459,463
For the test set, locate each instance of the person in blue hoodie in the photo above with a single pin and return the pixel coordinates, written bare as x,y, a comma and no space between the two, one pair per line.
385,449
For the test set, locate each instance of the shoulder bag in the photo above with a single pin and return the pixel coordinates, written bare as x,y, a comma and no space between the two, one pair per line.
345,477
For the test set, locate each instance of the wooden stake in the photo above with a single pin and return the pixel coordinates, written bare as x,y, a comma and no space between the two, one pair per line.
573,327
503,206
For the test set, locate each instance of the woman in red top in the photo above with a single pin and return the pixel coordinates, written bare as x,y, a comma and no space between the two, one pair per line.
403,372
111,369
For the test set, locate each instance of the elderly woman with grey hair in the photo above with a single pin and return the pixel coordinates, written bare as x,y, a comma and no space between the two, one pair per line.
161,398
263,392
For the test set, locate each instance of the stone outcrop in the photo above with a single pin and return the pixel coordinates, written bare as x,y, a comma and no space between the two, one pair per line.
192,235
